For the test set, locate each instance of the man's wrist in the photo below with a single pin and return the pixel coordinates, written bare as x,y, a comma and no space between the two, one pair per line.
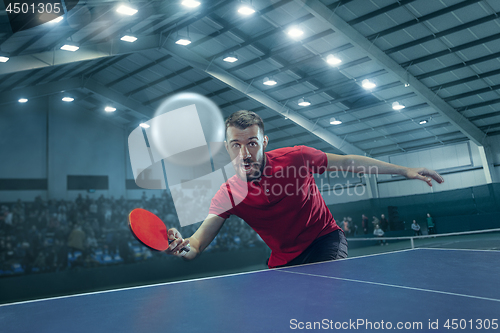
189,255
403,171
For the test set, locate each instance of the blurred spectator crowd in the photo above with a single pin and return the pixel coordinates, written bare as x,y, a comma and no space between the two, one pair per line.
380,226
56,235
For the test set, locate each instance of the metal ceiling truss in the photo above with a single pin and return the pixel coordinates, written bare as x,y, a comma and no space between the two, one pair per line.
291,47
472,93
367,106
400,150
138,70
462,64
385,126
157,81
326,16
89,52
451,50
30,92
421,19
40,61
437,137
311,75
478,105
204,80
397,134
443,33
465,80
200,63
337,84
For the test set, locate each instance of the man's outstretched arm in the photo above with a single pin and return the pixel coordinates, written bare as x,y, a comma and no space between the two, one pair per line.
367,165
200,239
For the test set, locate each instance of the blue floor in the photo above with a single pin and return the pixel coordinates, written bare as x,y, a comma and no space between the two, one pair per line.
400,288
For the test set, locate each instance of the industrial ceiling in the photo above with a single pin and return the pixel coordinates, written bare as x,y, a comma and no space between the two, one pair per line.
440,59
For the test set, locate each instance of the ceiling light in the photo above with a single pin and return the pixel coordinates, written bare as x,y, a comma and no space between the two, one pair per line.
126,10
231,57
56,20
69,47
333,60
246,10
335,121
304,102
109,109
183,41
4,59
295,32
367,84
190,3
22,100
128,38
68,99
397,106
407,85
421,122
269,81
144,125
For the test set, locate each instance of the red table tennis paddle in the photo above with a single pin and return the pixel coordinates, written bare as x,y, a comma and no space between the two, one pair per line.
150,230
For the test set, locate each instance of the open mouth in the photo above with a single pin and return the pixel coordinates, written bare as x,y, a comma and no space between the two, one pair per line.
247,167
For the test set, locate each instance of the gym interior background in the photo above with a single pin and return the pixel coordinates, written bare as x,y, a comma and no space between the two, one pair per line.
411,82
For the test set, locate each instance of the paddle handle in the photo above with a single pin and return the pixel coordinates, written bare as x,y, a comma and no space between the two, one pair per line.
185,249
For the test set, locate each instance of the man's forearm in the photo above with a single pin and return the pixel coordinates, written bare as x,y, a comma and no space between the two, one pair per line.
367,165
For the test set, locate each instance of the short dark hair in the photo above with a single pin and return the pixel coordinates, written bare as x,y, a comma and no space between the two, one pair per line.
243,119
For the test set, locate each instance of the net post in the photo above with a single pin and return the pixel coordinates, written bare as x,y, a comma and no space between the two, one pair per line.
412,245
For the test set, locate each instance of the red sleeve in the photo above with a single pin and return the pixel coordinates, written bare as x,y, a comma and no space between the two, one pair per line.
221,203
315,160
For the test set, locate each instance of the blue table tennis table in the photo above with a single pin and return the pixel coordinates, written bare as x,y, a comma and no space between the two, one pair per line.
421,290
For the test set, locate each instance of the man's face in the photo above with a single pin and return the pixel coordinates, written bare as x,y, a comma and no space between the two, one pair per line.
246,148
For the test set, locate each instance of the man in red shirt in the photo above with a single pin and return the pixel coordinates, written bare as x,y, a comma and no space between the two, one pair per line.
275,193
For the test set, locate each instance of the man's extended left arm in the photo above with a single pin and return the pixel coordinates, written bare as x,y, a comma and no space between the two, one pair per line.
367,165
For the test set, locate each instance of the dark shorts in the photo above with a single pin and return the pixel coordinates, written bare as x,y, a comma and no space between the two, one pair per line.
331,246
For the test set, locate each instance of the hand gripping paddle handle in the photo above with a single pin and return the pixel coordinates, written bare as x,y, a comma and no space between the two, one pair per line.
150,230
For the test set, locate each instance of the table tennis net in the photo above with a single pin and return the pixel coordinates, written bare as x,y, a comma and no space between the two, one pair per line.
472,240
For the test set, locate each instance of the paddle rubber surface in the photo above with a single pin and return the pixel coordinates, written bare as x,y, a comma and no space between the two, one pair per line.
149,229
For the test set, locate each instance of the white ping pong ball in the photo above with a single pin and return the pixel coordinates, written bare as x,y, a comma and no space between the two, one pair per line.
184,137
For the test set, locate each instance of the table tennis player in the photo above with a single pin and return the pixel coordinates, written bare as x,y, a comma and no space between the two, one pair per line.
283,204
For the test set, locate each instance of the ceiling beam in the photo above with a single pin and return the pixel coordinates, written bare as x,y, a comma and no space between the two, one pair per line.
421,19
325,15
35,91
86,52
198,62
462,64
442,33
380,11
121,101
450,50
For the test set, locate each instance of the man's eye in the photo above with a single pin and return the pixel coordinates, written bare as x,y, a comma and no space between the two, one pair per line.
253,144
235,145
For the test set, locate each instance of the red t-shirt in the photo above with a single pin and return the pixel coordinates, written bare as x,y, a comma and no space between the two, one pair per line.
285,206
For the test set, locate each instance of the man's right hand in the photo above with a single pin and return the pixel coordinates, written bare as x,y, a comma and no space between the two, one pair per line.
198,241
177,244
